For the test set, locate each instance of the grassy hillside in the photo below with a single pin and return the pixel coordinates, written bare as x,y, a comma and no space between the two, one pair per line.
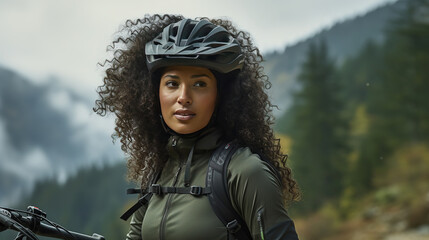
397,209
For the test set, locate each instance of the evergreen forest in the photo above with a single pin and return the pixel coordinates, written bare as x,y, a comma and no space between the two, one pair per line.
358,133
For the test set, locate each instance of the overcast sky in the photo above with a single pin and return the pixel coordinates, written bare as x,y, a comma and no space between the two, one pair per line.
67,38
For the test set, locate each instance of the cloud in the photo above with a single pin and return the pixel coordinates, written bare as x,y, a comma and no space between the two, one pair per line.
27,165
88,128
21,169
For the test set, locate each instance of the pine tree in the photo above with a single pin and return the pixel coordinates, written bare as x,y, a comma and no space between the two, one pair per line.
318,138
398,102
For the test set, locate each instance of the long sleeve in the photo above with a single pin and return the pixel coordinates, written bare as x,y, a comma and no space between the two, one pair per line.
135,232
256,194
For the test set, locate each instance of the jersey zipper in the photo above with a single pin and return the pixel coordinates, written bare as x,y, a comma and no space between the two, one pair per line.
169,197
261,223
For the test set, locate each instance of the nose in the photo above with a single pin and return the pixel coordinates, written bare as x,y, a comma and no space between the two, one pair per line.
184,96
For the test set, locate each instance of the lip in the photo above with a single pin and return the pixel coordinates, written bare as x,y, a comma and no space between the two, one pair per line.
184,114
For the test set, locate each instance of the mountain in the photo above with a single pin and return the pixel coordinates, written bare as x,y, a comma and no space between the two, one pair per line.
343,39
46,130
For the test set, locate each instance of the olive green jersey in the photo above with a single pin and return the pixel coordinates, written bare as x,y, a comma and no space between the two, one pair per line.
253,186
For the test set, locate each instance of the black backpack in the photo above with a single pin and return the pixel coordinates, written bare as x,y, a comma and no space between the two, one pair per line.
216,190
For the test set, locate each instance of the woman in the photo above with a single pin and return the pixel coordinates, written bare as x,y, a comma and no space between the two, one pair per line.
179,88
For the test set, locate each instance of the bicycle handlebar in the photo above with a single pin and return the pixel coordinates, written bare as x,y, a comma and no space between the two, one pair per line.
11,219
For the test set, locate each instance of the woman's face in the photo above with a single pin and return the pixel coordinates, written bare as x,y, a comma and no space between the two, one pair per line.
188,97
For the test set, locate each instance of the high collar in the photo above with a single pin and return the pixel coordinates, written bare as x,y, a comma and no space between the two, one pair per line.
179,146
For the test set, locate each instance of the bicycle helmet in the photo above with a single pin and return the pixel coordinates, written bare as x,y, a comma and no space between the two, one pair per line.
196,43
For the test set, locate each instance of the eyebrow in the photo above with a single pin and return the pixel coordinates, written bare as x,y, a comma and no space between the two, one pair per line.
171,76
193,76
200,75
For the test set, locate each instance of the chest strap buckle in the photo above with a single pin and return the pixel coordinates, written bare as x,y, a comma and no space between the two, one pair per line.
233,226
156,189
196,190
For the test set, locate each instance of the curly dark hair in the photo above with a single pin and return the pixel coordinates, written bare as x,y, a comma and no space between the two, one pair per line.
244,110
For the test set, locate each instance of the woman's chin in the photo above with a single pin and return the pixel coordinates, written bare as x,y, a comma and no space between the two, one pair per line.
185,129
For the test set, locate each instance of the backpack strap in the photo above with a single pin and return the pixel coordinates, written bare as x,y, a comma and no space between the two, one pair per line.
216,180
160,190
143,200
140,203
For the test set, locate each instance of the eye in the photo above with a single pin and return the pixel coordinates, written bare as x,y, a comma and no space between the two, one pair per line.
200,84
171,84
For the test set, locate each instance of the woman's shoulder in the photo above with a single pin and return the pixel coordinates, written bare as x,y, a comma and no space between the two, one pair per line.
246,164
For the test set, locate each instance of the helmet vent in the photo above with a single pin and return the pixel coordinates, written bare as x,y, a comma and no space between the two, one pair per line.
187,30
174,31
215,45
